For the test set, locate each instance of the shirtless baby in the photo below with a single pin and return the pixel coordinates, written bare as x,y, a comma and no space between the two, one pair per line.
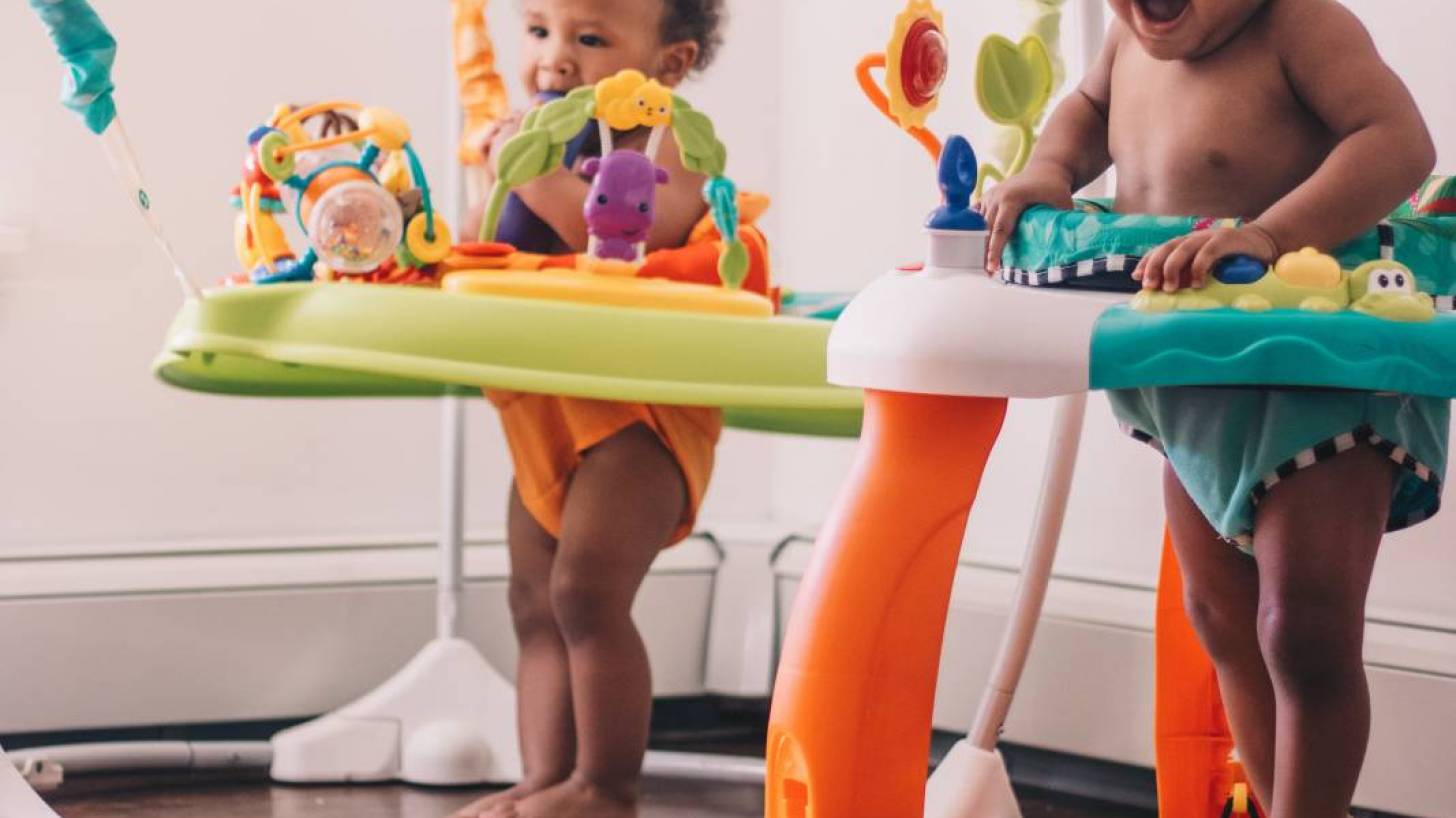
1282,114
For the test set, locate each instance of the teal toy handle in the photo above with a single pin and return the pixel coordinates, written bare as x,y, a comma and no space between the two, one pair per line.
88,51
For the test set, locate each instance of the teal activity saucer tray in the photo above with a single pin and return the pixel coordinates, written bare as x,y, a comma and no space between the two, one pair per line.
310,340
1282,347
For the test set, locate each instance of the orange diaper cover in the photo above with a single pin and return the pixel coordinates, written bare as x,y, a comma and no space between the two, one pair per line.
547,435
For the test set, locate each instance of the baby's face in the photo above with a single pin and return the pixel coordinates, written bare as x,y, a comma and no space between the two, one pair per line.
1184,29
570,43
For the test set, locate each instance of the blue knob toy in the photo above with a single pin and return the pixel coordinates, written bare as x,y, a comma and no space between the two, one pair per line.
958,171
1239,269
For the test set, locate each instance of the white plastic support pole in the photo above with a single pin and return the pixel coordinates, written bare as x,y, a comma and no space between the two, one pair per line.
451,582
1036,571
606,133
17,799
972,781
654,142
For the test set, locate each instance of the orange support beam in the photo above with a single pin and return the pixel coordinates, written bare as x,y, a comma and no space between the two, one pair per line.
1195,776
849,733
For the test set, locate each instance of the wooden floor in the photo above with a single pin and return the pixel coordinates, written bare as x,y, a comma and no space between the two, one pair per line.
193,798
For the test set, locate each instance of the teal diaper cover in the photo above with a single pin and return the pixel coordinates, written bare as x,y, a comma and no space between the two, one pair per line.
1231,446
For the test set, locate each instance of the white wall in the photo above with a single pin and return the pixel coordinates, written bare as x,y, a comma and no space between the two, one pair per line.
854,193
94,453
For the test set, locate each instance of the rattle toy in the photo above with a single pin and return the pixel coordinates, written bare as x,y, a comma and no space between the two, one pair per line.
362,198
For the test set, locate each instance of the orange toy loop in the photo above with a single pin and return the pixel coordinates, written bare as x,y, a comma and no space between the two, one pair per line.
317,108
320,144
877,97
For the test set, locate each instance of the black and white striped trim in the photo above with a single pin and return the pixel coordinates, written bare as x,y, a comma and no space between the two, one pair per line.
1085,268
1142,437
1323,451
1386,232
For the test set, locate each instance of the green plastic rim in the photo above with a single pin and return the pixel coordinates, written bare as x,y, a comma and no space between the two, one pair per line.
345,340
279,170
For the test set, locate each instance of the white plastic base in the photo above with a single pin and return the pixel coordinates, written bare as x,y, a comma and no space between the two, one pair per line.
945,331
446,719
17,799
970,783
951,330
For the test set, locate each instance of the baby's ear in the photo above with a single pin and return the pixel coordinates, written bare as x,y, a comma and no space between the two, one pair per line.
662,177
591,166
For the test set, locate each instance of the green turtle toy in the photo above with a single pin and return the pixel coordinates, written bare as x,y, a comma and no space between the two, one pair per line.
1307,280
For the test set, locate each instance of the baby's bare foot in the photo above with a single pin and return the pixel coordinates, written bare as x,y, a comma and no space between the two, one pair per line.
574,798
488,805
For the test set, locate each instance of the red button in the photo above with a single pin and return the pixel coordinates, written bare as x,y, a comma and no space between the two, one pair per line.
913,267
924,62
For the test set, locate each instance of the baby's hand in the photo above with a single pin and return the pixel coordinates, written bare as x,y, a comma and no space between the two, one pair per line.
1188,261
1005,203
494,136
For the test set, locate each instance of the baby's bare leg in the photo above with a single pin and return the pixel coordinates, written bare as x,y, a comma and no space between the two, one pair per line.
543,686
1316,537
624,502
1221,595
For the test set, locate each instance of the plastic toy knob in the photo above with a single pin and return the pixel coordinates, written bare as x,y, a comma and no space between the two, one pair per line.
924,62
1239,270
420,246
1240,799
279,166
390,131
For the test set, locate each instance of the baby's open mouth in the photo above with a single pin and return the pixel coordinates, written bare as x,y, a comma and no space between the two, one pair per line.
1162,11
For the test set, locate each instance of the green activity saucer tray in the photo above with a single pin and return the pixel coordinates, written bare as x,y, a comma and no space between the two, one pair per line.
311,340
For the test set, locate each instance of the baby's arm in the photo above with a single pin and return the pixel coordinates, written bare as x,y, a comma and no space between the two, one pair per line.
1071,152
1382,152
680,204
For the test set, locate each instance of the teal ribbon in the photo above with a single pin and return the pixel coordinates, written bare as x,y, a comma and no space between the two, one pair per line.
88,51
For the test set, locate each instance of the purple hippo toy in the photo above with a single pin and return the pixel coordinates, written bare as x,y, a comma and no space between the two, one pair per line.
620,207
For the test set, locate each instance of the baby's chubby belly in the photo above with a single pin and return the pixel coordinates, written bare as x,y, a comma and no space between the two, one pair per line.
1217,138
1193,176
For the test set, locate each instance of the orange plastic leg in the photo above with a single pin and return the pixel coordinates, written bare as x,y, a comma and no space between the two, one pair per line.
1195,776
849,733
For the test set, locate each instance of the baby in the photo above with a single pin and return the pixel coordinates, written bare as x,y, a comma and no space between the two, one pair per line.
1279,113
600,487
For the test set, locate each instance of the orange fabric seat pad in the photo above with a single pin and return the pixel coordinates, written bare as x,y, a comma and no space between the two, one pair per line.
549,434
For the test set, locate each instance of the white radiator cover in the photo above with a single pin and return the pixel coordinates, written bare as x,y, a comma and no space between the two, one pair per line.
1088,687
275,632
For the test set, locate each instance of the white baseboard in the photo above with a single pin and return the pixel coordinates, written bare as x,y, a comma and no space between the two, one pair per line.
163,637
1088,686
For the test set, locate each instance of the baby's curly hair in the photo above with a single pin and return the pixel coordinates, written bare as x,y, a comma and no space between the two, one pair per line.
698,20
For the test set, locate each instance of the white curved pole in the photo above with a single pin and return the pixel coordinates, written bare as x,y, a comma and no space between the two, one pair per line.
972,781
1036,571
